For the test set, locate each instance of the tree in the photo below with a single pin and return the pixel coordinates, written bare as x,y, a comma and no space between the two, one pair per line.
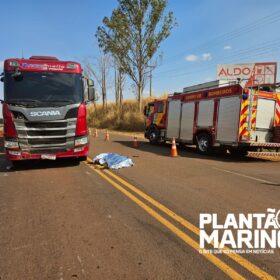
88,73
119,83
100,71
133,35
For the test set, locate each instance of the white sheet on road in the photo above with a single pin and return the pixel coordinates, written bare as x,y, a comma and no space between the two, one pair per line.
113,161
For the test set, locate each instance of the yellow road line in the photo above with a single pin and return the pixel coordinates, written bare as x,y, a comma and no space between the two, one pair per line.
188,240
237,258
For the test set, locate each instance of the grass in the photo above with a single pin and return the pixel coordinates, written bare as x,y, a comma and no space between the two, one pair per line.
127,119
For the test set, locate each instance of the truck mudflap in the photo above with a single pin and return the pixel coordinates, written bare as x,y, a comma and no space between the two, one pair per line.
24,155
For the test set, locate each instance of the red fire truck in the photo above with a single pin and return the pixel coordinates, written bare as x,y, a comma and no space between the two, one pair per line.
212,115
44,108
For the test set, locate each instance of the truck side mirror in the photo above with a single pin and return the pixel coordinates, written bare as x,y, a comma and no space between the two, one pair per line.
91,96
145,112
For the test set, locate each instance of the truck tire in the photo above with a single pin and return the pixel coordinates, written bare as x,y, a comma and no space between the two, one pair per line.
203,143
153,135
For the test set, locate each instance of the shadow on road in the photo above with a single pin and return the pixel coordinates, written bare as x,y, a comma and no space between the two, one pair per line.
187,151
7,166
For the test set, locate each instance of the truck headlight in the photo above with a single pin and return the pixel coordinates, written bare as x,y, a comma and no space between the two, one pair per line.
11,144
81,141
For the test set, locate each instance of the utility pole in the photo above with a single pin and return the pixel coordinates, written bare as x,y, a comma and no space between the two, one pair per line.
150,82
116,84
152,67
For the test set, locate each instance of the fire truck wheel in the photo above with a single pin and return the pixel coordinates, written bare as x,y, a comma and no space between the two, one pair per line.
203,143
153,135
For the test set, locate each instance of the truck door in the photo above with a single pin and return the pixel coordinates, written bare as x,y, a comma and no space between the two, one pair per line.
264,120
205,114
265,114
173,119
187,121
228,120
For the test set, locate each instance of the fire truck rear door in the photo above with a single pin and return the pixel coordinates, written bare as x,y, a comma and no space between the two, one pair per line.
264,120
265,113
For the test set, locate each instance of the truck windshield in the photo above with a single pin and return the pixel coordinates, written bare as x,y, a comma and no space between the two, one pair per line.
43,87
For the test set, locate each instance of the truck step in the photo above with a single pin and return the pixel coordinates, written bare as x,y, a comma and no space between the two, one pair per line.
264,154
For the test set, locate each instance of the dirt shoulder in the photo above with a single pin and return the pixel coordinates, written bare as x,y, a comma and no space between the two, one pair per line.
139,135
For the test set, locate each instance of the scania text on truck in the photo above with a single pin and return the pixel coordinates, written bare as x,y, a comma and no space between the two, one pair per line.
44,108
217,115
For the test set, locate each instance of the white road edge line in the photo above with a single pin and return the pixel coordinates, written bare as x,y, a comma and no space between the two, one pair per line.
245,176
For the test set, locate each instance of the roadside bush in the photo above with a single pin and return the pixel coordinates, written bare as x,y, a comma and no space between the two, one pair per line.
127,119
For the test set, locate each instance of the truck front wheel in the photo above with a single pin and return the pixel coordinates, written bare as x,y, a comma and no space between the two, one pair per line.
153,135
203,143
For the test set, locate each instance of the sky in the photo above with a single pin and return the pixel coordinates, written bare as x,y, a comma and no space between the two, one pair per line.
208,32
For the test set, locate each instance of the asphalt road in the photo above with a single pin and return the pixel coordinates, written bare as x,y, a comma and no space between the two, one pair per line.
63,220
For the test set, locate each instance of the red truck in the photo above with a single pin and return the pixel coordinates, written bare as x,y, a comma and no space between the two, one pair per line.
44,108
215,115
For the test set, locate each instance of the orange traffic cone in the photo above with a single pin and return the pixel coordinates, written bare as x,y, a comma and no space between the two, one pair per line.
95,134
107,137
173,152
135,142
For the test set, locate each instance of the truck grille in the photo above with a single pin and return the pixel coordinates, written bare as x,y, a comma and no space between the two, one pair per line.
47,132
46,141
46,135
45,124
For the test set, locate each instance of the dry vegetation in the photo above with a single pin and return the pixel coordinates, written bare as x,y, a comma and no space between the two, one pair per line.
127,119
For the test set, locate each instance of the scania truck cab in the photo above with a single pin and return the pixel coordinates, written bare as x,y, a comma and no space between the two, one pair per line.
44,108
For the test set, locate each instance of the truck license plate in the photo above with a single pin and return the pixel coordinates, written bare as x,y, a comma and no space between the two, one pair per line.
48,156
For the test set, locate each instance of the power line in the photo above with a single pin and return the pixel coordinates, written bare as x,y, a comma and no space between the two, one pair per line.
269,19
260,54
213,65
263,46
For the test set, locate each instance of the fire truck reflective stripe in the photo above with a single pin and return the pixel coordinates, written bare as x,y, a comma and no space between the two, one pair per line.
244,132
244,110
277,110
243,118
254,113
277,120
254,118
242,122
